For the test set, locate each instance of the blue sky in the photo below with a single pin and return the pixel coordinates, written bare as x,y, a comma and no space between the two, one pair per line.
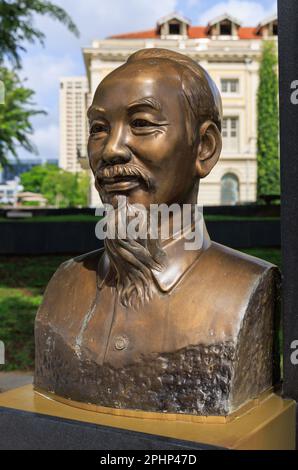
62,56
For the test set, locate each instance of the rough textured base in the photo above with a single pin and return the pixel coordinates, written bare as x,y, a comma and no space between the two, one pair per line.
194,380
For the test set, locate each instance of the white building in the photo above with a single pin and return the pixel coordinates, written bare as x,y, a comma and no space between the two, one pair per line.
231,54
9,191
73,122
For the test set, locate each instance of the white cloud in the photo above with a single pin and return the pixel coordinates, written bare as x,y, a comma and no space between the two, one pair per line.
97,19
192,3
42,72
249,12
46,139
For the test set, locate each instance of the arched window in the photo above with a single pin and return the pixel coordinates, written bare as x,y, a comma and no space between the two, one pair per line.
229,187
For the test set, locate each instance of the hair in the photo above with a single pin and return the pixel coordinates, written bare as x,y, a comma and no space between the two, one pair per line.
132,259
199,90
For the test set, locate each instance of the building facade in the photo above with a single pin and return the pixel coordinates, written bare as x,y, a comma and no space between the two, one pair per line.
73,122
231,54
9,191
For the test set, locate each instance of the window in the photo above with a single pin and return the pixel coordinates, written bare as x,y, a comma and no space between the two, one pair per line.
229,190
230,134
274,29
174,28
229,85
225,28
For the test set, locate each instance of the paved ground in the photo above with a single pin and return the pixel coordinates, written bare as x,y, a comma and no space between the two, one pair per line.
9,380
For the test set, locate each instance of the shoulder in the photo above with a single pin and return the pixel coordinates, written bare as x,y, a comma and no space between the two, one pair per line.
233,271
71,273
223,283
231,263
79,264
70,288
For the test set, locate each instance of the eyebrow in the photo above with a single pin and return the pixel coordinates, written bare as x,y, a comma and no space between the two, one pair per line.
94,109
150,101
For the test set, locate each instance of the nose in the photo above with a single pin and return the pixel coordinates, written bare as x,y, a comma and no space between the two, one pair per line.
115,150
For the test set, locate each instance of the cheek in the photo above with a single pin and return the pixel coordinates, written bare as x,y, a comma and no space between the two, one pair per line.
94,149
158,150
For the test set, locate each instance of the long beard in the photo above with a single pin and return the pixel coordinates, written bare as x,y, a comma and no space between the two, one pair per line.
133,260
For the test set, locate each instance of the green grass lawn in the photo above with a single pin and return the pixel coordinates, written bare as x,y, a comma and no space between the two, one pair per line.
22,283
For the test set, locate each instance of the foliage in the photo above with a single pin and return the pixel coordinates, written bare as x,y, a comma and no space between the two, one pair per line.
22,283
65,189
33,179
16,28
15,114
268,130
17,313
61,188
17,25
83,187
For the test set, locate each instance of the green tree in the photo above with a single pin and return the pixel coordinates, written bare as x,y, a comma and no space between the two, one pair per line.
16,28
15,114
268,129
83,185
61,188
33,179
17,25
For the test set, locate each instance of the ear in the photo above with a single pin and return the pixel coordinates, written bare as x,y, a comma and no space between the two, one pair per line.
210,145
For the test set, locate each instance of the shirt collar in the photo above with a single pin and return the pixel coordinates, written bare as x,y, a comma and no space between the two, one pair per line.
178,261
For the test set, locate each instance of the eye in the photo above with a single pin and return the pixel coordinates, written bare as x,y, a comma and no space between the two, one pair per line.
141,123
97,127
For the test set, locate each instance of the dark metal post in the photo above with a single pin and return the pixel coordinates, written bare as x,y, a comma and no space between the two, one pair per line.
288,92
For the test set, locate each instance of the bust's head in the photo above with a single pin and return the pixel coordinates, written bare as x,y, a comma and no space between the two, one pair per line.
155,127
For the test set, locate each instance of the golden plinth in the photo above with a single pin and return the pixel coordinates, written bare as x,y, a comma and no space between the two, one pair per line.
267,423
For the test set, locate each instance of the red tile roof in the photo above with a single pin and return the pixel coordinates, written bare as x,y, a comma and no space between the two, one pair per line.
194,32
150,33
248,33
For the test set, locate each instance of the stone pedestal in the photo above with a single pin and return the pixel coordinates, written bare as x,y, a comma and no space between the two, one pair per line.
30,420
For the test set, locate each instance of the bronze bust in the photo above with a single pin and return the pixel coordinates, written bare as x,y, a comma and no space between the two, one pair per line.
151,326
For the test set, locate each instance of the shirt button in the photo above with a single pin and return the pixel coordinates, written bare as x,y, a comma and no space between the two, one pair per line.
121,342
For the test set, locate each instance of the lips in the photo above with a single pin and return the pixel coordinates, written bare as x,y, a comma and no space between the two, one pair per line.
119,183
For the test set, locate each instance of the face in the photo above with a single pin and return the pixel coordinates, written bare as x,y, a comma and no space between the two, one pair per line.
139,144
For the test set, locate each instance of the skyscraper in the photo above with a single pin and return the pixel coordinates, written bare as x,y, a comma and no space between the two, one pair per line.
73,122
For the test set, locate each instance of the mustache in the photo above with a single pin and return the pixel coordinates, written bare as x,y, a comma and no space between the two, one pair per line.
118,171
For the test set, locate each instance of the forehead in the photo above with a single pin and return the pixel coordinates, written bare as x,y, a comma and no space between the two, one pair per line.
136,81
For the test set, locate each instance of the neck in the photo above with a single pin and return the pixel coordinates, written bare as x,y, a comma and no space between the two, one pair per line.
184,214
